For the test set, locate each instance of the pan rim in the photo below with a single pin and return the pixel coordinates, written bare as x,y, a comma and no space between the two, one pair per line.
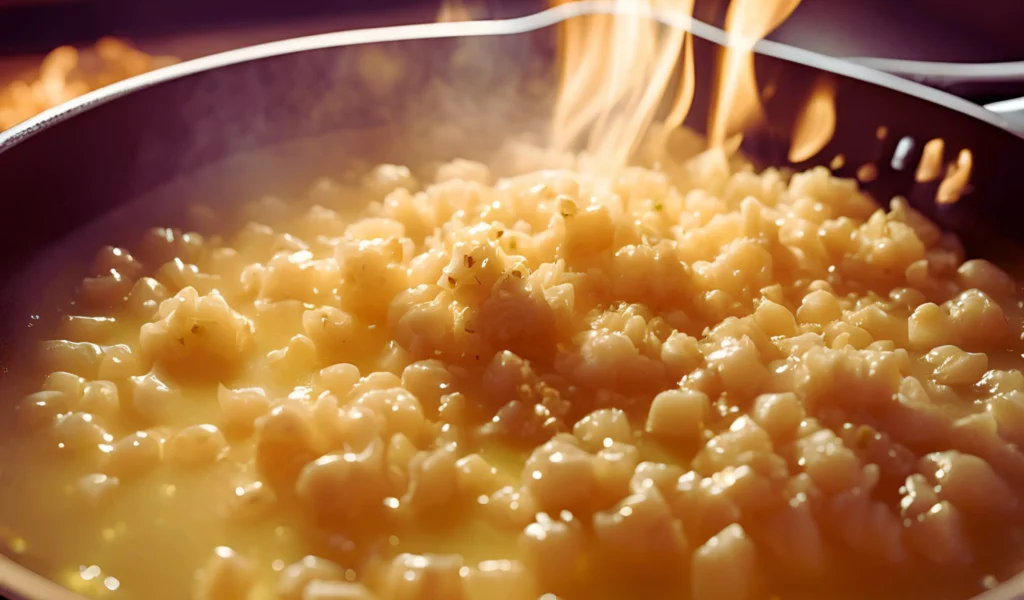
534,22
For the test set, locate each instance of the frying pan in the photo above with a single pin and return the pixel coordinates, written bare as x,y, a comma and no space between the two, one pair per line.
271,118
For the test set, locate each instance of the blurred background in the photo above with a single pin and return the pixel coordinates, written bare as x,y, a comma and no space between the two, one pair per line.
948,30
928,30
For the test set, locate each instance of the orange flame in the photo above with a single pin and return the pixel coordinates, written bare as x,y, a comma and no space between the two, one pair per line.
958,176
930,166
617,70
867,172
817,122
453,11
66,73
736,104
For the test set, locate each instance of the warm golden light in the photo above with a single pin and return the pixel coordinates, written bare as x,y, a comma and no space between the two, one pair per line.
736,103
930,166
958,176
618,70
816,124
67,73
867,173
452,11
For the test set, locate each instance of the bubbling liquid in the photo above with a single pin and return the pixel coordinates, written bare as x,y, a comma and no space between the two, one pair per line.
701,382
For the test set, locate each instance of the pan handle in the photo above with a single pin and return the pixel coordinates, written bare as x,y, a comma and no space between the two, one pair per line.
998,87
1011,110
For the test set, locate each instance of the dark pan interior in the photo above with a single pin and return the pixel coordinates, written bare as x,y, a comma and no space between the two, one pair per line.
286,118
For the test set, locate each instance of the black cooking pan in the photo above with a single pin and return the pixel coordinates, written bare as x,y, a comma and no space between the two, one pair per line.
272,118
